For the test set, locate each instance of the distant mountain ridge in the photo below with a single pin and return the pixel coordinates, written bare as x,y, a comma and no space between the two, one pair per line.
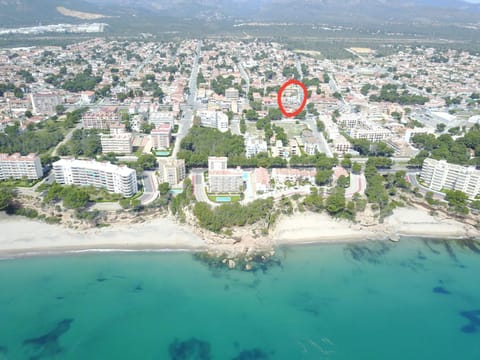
32,12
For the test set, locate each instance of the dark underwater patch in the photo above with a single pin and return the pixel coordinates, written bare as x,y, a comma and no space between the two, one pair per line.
253,264
101,279
138,288
470,244
474,318
370,253
47,346
3,349
441,290
191,349
253,354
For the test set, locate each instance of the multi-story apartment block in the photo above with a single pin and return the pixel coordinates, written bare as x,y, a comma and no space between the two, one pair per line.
373,134
438,175
118,141
116,179
311,145
159,118
101,119
255,146
231,94
223,180
161,136
214,119
217,163
171,171
44,104
17,167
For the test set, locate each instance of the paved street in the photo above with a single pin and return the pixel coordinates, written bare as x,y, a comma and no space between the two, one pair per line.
150,188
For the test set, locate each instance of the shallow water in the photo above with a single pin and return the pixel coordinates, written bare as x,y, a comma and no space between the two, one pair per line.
410,300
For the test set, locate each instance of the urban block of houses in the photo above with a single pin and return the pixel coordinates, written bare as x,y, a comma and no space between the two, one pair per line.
282,176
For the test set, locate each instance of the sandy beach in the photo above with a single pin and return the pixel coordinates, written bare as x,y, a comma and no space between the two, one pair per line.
321,228
20,236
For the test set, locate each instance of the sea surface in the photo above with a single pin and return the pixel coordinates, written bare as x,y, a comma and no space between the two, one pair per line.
415,299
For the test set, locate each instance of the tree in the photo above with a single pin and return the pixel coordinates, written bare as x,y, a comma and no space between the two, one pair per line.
441,127
320,125
457,201
356,168
60,109
75,197
343,181
323,177
164,188
147,162
28,114
6,197
335,203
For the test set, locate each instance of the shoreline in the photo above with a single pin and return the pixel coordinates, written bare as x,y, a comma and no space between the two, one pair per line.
167,235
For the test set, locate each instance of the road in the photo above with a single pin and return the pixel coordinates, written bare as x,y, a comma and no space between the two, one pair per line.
358,184
67,138
324,148
245,76
198,182
298,66
150,188
412,179
187,116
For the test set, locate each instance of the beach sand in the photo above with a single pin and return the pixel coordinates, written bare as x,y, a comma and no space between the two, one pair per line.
20,236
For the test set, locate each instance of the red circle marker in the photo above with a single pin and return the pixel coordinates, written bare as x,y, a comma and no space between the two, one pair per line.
279,98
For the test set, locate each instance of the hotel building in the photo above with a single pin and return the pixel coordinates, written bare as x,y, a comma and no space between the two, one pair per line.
214,119
438,175
116,179
17,167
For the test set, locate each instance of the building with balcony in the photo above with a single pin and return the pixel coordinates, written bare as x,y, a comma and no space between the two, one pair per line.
438,175
115,179
161,136
16,166
101,119
171,171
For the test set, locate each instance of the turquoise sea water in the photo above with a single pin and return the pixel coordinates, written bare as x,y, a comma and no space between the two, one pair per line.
411,300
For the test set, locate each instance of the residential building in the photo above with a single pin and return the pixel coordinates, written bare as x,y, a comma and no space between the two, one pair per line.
225,181
118,141
261,180
161,136
311,145
116,179
438,175
16,166
217,163
214,119
101,119
44,104
231,94
293,175
171,171
87,97
254,146
373,134
161,117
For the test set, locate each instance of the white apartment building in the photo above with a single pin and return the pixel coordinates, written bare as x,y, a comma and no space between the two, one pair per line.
311,146
161,136
217,163
231,94
101,119
44,104
171,171
222,180
214,119
16,166
116,179
373,134
254,146
438,175
225,181
161,117
118,141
